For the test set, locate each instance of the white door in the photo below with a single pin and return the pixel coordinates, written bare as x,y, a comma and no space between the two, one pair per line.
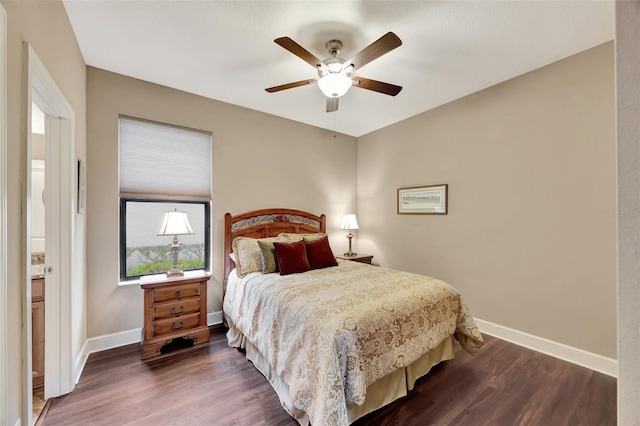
42,90
53,265
3,221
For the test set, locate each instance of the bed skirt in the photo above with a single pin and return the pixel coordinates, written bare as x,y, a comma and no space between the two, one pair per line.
380,393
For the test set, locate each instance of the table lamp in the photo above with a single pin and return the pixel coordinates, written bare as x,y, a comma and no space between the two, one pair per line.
175,223
349,223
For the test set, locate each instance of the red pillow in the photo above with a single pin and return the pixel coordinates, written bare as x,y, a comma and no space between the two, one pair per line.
292,257
319,254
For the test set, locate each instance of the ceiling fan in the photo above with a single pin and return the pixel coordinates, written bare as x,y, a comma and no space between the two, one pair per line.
335,74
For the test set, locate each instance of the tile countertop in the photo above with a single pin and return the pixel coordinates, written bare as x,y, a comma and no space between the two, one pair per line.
37,265
37,271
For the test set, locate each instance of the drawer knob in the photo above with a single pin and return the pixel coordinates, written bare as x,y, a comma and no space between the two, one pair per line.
175,311
177,326
178,292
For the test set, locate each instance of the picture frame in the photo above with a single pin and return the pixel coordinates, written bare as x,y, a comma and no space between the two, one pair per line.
81,190
426,199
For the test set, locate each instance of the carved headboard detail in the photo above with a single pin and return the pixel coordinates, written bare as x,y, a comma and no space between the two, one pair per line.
267,223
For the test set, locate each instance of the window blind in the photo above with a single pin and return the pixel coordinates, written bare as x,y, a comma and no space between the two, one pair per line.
161,159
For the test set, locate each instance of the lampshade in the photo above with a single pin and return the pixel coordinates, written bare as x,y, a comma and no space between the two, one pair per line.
334,85
349,222
175,223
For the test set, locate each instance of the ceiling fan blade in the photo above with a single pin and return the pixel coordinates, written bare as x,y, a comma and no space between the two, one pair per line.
384,44
332,104
289,85
376,86
300,52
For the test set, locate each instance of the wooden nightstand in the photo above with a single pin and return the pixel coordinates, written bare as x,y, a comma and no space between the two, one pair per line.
362,258
175,314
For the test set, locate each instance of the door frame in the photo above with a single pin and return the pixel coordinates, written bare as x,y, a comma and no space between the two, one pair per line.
4,416
40,87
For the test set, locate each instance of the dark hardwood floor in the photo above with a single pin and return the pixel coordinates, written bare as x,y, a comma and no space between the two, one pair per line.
502,385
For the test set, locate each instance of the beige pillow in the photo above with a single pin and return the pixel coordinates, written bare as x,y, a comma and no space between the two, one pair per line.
268,257
307,238
247,254
292,238
287,237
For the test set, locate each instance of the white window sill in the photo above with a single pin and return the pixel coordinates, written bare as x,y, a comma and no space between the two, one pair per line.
128,283
136,281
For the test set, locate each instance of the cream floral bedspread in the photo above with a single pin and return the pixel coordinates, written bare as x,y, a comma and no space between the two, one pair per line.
330,333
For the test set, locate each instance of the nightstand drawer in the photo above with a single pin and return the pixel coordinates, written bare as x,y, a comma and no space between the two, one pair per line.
175,308
175,325
176,292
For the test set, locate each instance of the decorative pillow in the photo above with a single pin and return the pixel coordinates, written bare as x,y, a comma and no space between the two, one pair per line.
268,256
313,237
288,237
319,254
292,257
247,254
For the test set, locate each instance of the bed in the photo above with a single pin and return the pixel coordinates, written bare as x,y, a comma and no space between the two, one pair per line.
341,340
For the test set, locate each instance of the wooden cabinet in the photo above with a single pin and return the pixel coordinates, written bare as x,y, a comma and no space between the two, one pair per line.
37,331
175,314
362,258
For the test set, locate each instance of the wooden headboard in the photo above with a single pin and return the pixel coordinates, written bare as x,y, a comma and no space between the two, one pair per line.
267,223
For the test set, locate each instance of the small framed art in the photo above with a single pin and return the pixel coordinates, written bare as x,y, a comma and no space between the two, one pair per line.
428,199
81,190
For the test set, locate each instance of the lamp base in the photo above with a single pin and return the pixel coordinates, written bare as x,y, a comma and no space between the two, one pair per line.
350,253
175,272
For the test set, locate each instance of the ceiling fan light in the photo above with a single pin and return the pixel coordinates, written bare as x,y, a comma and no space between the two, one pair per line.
334,85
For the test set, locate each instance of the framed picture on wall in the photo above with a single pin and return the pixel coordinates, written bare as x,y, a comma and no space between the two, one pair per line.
81,187
428,199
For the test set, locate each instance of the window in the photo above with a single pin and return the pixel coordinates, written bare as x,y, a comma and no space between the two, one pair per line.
162,168
143,252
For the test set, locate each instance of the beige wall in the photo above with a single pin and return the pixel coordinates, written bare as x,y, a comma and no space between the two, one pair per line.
530,163
530,238
628,118
259,161
46,27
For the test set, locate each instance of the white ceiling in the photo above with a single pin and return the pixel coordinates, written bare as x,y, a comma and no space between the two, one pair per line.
224,50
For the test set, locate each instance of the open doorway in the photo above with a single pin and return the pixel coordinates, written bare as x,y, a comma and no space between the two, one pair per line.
38,233
56,351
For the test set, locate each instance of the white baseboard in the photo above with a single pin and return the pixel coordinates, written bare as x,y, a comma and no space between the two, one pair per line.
214,318
564,352
567,353
102,343
115,340
122,338
81,361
